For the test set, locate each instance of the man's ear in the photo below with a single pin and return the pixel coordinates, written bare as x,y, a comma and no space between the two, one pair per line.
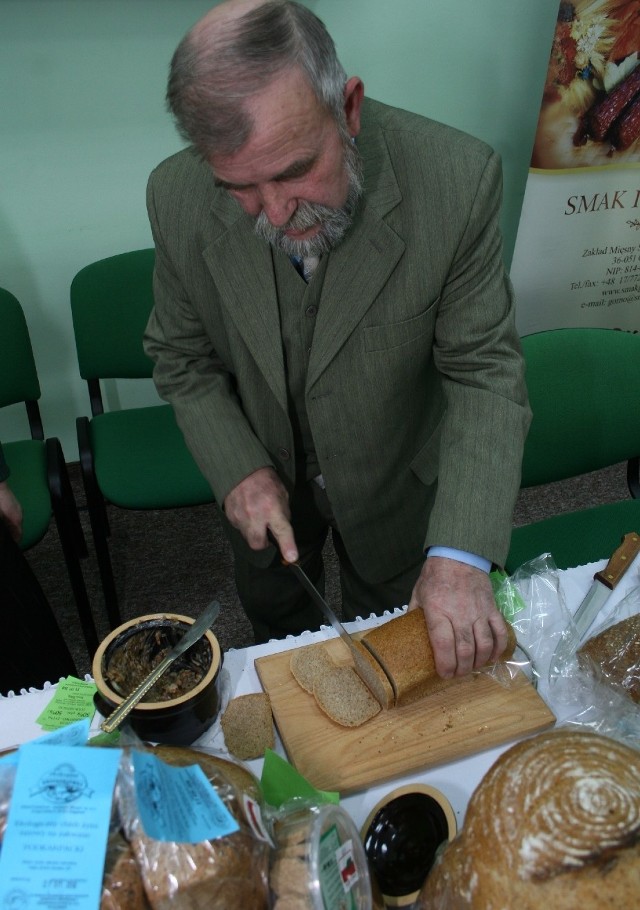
353,96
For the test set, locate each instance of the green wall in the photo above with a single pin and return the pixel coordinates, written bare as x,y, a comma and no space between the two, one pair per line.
83,123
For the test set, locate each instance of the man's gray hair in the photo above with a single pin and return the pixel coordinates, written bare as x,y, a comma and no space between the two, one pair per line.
213,71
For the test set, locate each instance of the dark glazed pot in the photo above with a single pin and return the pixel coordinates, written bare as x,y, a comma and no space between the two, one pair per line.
401,837
176,721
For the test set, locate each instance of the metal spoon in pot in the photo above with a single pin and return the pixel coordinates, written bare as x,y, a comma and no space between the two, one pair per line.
191,636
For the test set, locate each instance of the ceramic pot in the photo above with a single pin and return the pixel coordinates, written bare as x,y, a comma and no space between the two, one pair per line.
401,838
189,703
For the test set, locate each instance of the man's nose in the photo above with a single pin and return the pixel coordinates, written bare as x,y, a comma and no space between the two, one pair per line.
277,204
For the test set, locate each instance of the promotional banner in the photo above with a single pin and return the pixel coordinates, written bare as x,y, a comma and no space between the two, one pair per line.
577,256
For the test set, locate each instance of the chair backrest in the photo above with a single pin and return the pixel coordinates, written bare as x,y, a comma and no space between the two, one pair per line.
584,391
18,374
111,300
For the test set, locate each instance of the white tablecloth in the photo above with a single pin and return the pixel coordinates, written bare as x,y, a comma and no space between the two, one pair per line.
456,780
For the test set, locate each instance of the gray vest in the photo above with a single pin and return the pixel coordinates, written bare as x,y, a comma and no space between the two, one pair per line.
298,303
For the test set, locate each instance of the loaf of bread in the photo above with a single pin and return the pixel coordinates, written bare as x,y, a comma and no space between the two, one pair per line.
247,724
403,648
227,873
615,653
555,823
121,884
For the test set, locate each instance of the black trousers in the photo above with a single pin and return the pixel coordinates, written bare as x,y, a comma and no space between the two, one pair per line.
32,649
273,598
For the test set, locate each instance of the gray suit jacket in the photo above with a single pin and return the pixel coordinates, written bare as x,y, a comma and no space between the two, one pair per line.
415,390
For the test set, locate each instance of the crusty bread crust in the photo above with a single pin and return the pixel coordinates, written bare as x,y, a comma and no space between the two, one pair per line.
555,823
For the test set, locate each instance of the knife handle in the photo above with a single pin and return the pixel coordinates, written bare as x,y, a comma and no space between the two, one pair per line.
620,561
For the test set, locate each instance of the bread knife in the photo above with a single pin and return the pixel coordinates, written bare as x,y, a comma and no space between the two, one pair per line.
324,607
604,582
601,589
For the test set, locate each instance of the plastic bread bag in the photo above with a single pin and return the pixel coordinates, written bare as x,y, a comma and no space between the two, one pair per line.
531,599
612,650
606,710
7,778
164,790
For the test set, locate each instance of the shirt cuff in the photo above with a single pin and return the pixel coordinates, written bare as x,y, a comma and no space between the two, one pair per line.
479,562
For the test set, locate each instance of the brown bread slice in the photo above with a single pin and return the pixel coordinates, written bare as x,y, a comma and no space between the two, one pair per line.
373,675
247,724
308,663
343,696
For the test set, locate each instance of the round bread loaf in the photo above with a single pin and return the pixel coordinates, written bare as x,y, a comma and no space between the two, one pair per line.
615,653
555,823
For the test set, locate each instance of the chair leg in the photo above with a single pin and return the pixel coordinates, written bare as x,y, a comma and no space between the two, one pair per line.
71,537
633,477
99,523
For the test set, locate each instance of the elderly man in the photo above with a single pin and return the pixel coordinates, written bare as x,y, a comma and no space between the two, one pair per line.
334,329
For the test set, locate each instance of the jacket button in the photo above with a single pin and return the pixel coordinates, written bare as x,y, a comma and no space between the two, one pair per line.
284,454
311,310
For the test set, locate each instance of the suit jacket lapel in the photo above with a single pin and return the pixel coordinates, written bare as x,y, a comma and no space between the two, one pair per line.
357,271
242,269
361,265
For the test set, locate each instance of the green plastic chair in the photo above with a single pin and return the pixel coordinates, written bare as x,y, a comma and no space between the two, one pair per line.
134,458
584,390
39,476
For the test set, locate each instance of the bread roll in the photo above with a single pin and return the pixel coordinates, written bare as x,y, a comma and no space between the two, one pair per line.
555,823
403,648
615,653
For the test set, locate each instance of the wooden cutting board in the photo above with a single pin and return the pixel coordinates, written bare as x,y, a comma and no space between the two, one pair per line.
473,714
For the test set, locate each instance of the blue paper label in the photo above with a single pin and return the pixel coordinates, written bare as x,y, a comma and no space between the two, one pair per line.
55,842
178,804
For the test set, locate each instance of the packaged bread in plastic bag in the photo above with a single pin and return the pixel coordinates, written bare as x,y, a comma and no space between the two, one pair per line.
225,872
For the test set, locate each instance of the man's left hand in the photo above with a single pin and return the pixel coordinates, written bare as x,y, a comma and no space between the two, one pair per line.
465,628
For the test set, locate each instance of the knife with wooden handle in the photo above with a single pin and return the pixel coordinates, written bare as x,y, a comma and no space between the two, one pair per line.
604,583
600,591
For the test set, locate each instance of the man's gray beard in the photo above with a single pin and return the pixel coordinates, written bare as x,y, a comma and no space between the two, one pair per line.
334,223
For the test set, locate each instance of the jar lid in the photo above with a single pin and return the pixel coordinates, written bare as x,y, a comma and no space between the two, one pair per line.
401,838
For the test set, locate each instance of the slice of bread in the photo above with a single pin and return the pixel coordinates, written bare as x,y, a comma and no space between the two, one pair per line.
403,648
343,696
372,674
247,725
308,663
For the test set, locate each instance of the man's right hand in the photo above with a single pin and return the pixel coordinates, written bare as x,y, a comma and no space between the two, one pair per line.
258,504
10,511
